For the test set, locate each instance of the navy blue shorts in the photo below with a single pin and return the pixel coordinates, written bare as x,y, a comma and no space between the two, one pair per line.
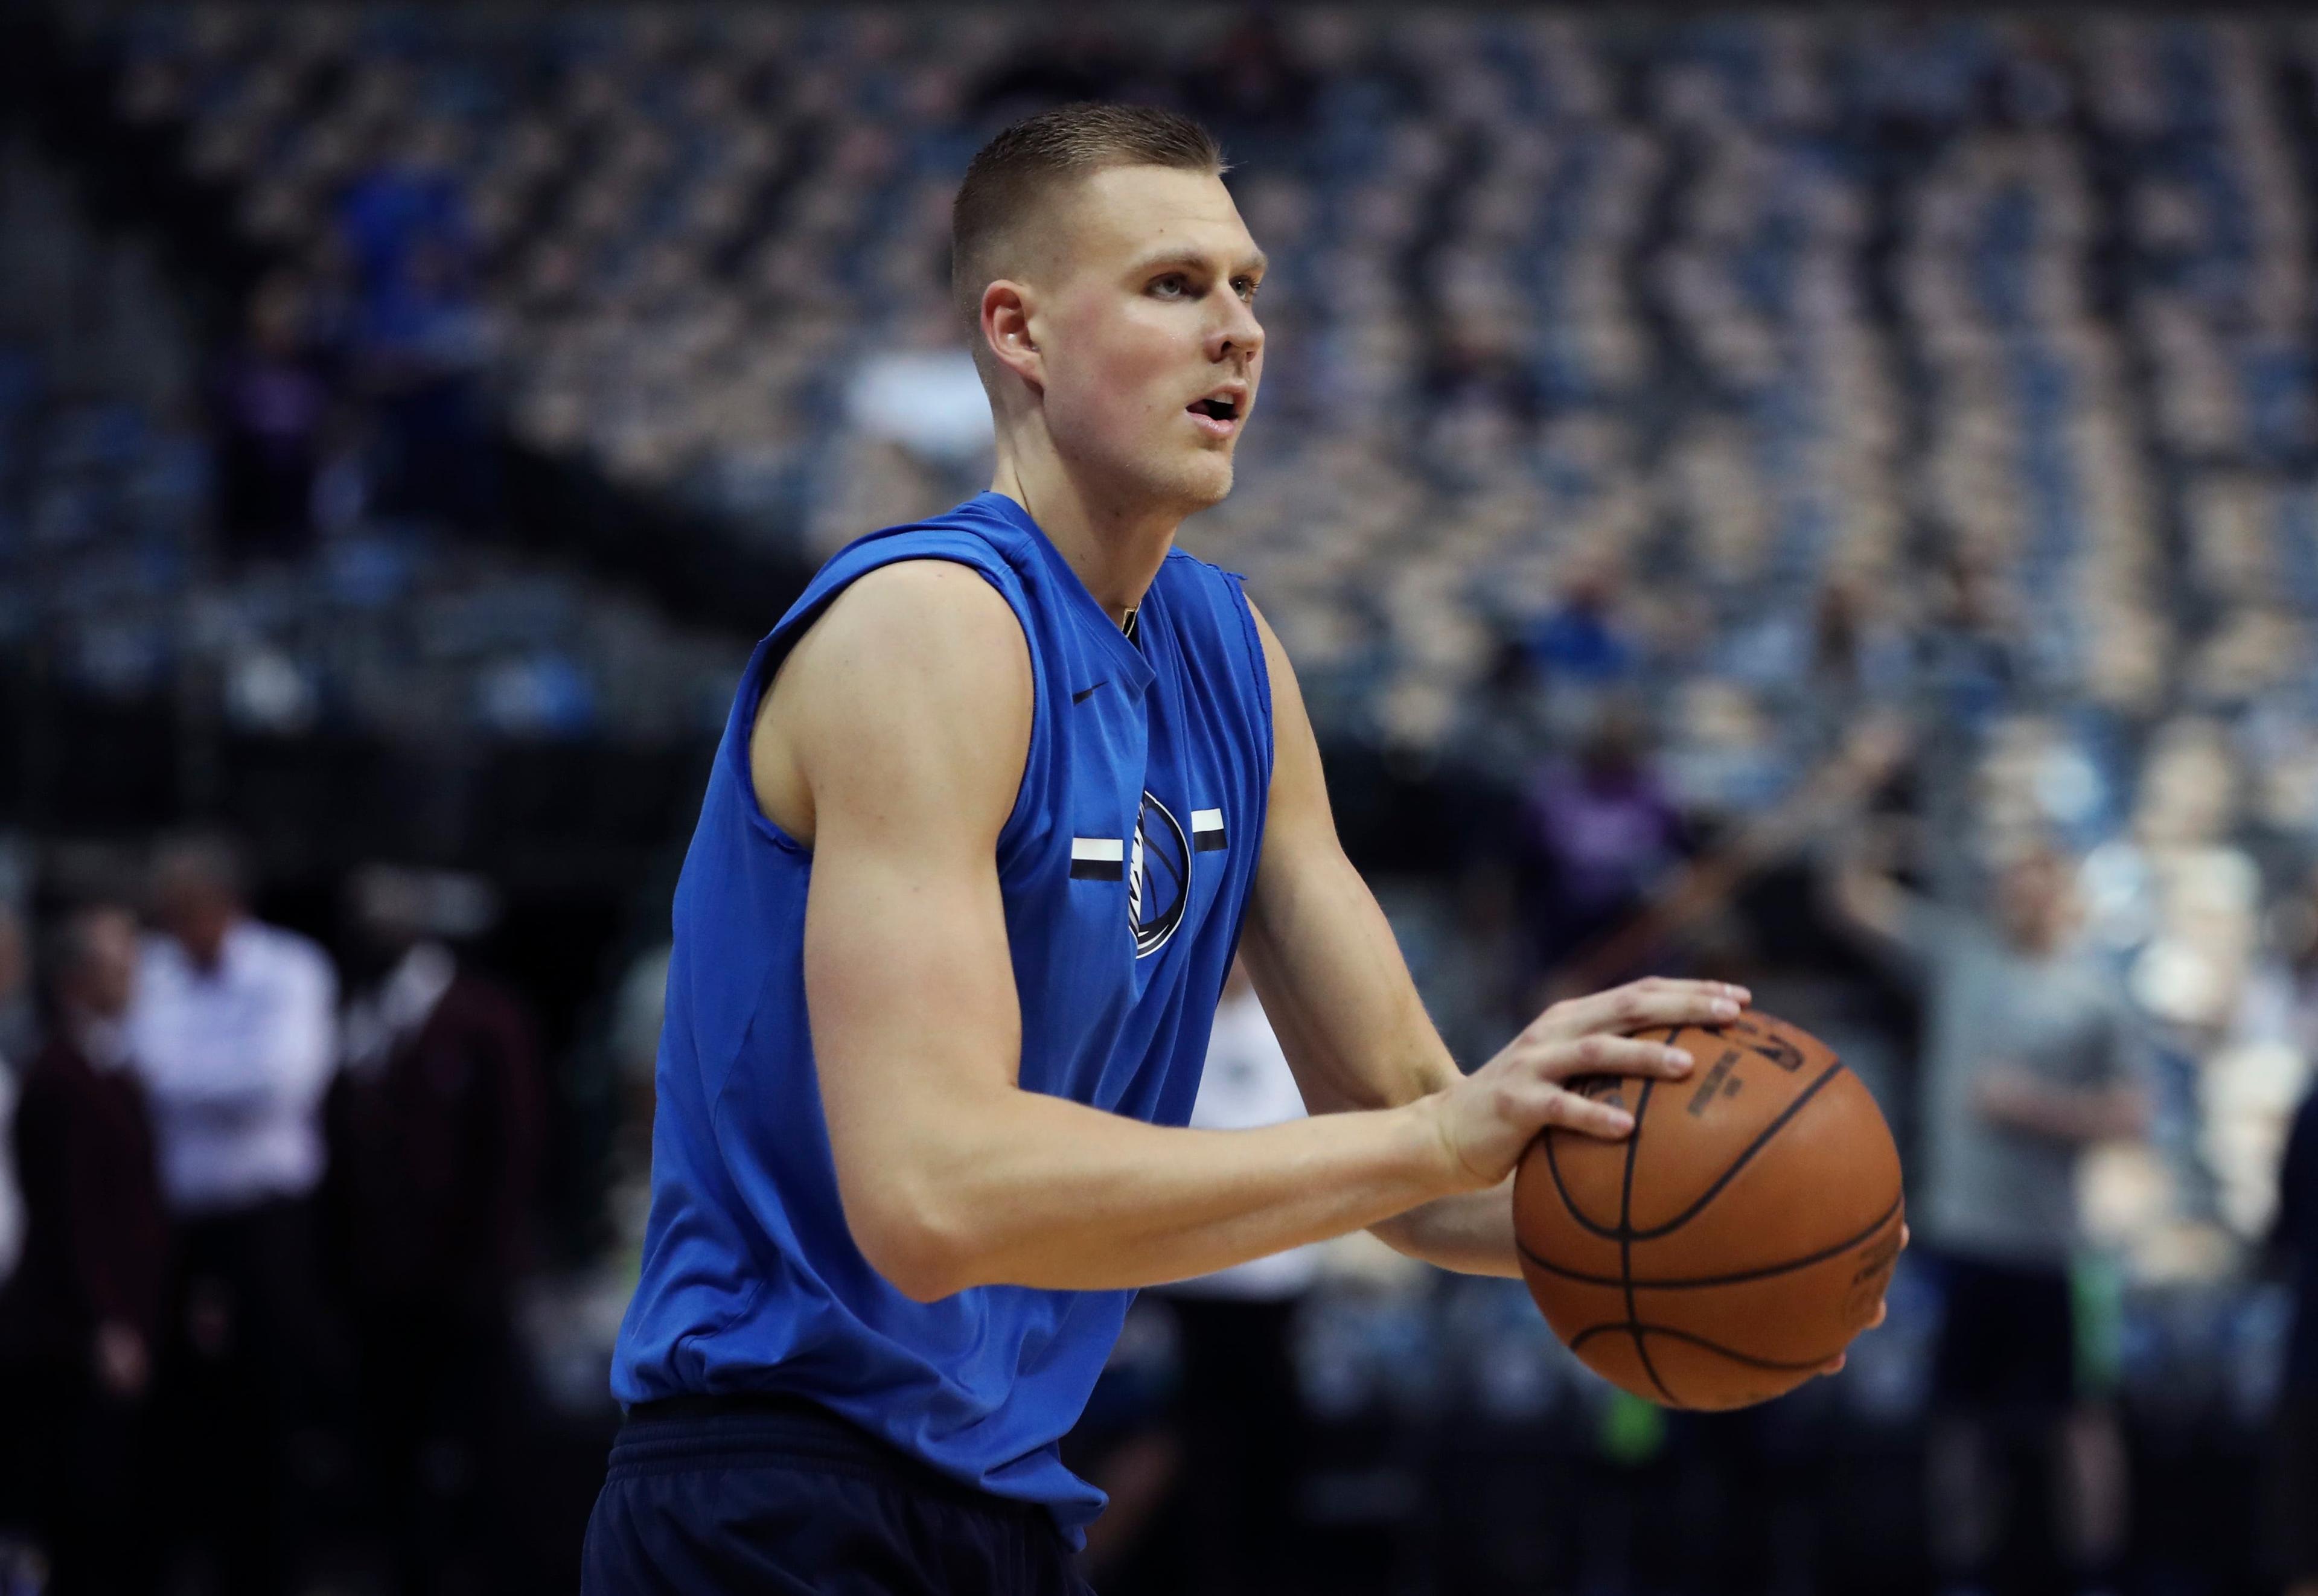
784,1497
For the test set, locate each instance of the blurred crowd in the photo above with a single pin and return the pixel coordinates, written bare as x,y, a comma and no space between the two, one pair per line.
248,531
1646,404
1845,335
253,1204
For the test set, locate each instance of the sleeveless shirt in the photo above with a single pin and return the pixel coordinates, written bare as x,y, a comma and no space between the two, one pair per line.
1125,867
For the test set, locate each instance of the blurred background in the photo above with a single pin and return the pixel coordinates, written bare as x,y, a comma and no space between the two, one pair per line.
1711,468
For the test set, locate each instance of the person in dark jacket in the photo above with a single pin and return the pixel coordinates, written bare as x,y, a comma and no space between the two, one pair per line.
80,1316
2296,1477
435,1128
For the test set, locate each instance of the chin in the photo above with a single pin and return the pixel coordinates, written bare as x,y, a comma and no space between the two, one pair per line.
1202,484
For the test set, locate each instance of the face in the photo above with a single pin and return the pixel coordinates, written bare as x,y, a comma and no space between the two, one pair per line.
196,912
1143,326
105,978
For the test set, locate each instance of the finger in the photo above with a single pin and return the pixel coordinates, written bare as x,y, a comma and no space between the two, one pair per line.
1609,1055
1904,1234
1571,1111
1640,1005
1882,1308
1834,1364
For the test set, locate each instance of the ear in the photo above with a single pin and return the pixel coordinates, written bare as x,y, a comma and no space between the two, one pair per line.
1006,312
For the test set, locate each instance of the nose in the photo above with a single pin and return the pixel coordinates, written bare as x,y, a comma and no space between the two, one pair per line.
1236,332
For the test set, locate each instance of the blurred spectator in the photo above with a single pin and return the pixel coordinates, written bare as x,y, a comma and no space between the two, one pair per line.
1602,829
417,332
639,1004
1859,657
2295,1485
2029,1056
235,1031
271,403
19,1028
435,1128
80,1320
14,1057
1583,640
1242,1424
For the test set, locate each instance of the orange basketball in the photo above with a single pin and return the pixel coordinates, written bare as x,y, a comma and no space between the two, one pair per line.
1737,1241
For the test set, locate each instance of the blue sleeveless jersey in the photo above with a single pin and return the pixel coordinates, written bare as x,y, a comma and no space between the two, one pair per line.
1124,868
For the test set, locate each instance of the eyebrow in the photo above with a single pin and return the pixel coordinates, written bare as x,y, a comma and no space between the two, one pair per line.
1193,259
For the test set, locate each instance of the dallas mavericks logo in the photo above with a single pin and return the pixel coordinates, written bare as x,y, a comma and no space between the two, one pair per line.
1156,867
1158,877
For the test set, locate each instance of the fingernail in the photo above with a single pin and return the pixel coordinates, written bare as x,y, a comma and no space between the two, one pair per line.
1724,1008
1678,1058
1620,1121
1740,993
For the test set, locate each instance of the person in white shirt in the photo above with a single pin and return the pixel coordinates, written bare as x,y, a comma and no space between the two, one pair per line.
234,1029
1242,1421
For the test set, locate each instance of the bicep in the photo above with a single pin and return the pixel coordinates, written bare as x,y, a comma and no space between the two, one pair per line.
907,710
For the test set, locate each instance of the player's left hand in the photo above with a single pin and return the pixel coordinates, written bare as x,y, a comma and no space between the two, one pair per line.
1639,1005
1834,1364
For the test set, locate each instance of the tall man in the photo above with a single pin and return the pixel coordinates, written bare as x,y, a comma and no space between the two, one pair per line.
2029,1056
79,1321
235,1030
435,1131
996,801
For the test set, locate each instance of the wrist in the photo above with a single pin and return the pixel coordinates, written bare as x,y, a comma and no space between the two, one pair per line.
1440,1170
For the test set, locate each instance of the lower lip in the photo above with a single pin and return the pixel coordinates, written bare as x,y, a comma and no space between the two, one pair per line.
1211,426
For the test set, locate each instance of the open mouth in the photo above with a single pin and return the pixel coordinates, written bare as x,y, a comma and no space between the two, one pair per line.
1218,415
1220,409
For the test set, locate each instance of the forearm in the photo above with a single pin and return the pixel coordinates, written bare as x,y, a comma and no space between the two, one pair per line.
1335,986
1039,1191
1471,1233
2064,1115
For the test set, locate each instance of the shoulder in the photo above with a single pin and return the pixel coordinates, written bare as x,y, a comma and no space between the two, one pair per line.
915,688
1184,572
285,955
157,956
931,626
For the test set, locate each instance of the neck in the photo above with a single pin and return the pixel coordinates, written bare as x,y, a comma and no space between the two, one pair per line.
1112,541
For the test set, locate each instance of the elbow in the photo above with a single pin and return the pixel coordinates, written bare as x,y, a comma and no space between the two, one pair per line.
916,1241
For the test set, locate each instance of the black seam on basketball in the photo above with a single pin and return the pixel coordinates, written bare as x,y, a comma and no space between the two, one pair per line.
1585,1220
1638,1329
1689,1282
1761,1141
1626,1243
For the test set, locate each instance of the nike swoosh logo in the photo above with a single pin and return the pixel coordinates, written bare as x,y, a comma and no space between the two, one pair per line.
1083,693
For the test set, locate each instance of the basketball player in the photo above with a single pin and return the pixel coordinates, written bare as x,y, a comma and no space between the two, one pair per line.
997,801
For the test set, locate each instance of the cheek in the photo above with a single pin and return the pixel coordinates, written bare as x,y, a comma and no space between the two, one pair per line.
1126,376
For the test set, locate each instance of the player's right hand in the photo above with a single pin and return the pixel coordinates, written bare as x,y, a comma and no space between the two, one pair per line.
1488,1119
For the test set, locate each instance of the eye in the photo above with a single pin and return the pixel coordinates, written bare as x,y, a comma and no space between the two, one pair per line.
1175,285
1246,287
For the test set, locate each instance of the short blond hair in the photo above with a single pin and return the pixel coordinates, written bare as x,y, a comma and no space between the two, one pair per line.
1027,165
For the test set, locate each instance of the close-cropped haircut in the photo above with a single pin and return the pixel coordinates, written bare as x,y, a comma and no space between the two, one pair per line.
1024,166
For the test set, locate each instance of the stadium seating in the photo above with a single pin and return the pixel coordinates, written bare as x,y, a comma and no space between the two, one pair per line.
1760,371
